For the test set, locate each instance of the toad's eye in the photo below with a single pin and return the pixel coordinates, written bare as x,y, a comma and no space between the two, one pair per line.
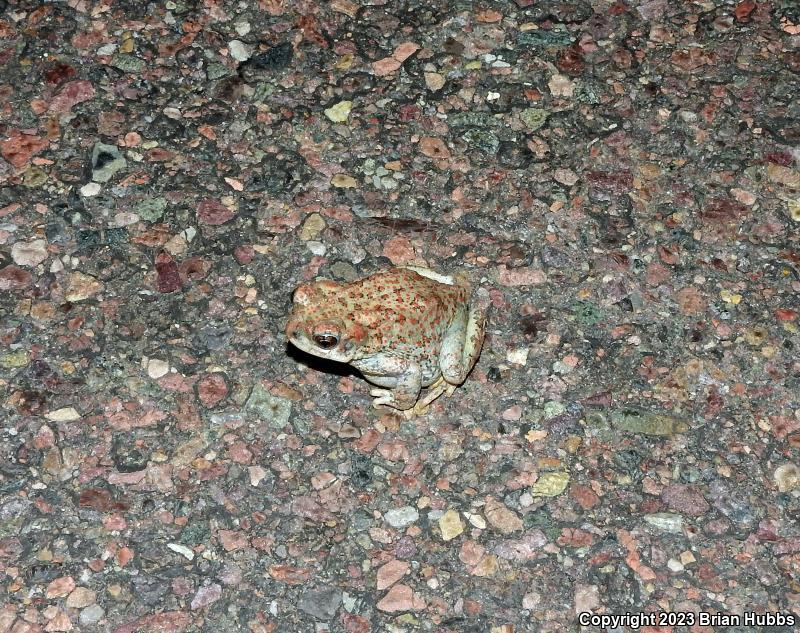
326,341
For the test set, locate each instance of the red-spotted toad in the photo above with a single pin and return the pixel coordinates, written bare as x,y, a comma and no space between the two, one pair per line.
402,328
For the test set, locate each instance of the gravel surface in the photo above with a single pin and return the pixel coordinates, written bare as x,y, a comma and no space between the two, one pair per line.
622,177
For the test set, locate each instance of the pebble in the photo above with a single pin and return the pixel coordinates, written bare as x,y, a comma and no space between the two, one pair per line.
90,190
787,477
106,162
212,389
518,356
647,422
685,499
81,597
666,522
12,360
206,596
400,598
343,181
66,414
91,615
587,598
313,225
500,517
565,176
184,551
531,600
339,112
451,525
401,517
156,368
82,286
30,253
213,212
321,603
534,118
561,86
550,484
389,573
434,81
151,209
271,409
793,207
674,565
60,587
239,50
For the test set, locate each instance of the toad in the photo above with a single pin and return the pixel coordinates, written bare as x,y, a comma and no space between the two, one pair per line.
403,328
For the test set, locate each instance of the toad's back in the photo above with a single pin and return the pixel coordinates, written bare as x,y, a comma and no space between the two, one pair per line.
404,313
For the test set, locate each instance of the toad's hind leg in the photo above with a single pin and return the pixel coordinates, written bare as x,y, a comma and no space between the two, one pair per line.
434,391
462,341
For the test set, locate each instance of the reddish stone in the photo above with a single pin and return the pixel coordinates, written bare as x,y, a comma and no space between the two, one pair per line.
159,155
385,66
290,575
685,499
14,278
19,148
767,531
368,441
394,451
194,269
60,587
355,623
239,453
206,596
570,61
124,556
399,250
232,540
72,94
584,495
722,210
390,573
401,598
168,278
743,10
212,389
600,399
618,182
310,509
59,73
212,212
244,254
100,500
656,274
471,552
572,537
182,586
164,622
433,147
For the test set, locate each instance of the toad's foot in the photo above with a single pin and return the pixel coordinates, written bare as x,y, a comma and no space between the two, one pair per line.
389,398
441,386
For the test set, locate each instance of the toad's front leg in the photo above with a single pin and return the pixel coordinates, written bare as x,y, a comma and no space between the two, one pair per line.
400,377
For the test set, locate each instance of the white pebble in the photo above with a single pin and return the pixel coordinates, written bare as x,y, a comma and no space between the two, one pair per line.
90,189
156,368
239,50
29,253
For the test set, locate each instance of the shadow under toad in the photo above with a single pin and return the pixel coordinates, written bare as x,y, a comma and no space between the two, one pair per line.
320,364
